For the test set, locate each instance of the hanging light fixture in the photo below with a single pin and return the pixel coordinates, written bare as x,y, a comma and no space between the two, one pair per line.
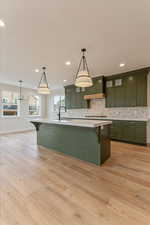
83,78
43,84
20,91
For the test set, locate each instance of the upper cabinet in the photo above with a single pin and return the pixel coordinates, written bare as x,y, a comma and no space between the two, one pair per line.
127,90
123,90
74,96
98,86
142,89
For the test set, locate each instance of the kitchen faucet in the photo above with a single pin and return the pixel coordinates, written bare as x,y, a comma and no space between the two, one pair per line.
59,113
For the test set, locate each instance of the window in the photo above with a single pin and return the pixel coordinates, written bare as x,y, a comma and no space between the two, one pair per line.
58,101
34,105
10,103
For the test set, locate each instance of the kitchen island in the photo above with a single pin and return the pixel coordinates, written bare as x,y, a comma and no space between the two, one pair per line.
88,140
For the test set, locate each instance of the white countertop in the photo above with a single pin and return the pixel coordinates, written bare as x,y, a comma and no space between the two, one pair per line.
108,118
77,122
113,118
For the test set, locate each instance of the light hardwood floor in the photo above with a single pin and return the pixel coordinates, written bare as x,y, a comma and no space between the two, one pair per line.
42,187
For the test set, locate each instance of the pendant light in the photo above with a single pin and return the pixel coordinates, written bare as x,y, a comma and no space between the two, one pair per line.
43,84
83,78
20,91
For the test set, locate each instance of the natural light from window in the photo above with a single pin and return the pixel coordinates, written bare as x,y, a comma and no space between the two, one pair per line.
10,103
34,105
59,100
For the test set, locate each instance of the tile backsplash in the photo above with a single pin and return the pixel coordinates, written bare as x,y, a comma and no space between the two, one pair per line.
98,108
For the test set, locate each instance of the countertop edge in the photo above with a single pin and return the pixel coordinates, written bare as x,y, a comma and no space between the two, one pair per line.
107,118
77,124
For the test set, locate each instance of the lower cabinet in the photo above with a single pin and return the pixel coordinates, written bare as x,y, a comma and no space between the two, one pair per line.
129,131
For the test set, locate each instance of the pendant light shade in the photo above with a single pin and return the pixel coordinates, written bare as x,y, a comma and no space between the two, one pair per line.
83,78
43,84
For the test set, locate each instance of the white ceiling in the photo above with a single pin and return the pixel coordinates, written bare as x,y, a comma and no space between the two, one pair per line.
51,32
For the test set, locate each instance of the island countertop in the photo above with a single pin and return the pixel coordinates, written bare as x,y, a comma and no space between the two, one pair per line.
106,118
78,123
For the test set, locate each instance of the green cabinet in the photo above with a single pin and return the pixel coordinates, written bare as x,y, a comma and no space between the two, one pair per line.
131,91
115,93
119,95
116,130
128,128
68,97
129,131
110,96
98,86
140,133
142,89
74,97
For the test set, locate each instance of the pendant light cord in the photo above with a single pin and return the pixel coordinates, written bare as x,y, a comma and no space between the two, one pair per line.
43,77
84,66
20,90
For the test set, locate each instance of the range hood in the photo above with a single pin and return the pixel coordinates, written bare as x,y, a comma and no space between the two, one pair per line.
94,96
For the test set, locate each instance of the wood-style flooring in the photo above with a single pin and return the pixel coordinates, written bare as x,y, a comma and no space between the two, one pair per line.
42,187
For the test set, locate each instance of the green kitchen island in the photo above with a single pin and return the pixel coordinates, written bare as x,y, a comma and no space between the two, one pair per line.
88,140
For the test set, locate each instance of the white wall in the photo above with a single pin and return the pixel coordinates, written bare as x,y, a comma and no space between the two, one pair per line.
21,123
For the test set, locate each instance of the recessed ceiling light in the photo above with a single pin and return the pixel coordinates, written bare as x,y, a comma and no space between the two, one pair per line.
65,80
2,24
68,63
37,70
122,64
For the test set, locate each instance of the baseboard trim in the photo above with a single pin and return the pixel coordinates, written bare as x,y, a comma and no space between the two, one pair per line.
42,147
17,132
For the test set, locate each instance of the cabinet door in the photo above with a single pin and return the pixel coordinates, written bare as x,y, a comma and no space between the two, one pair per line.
80,102
129,131
110,95
68,97
142,89
140,133
77,98
135,132
116,130
130,91
119,94
98,86
72,97
112,130
84,103
119,130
